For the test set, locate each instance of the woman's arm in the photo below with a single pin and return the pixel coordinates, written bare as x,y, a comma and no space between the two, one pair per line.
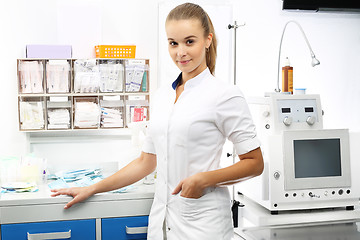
131,173
250,165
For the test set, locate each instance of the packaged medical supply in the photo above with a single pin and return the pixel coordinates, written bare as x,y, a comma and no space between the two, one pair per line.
87,76
111,75
19,187
58,112
135,71
9,169
32,115
58,76
136,109
87,114
31,76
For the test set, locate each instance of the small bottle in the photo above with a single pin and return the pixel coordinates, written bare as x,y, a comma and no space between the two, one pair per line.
287,77
44,177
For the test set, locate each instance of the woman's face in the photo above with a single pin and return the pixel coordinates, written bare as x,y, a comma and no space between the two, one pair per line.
187,45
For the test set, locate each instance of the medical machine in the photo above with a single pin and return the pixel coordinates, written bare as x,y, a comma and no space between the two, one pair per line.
306,166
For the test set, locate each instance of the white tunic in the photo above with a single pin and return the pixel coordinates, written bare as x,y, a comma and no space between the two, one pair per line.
187,138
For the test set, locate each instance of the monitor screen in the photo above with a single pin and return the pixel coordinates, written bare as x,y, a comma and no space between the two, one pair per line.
317,158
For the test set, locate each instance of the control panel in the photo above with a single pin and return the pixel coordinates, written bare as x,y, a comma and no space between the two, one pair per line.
297,111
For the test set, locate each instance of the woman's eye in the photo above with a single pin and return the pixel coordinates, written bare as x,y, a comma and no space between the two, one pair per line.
190,41
173,43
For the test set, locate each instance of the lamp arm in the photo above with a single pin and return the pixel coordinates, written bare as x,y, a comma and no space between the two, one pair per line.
282,36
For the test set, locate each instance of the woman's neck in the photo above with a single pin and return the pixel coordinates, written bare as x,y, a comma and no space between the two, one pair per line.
189,75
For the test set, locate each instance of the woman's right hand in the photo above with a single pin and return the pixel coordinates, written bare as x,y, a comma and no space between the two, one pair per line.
78,193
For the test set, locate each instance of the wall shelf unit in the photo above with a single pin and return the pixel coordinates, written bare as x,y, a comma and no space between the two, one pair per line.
78,94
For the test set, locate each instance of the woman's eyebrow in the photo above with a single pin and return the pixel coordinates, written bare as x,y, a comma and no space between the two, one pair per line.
191,36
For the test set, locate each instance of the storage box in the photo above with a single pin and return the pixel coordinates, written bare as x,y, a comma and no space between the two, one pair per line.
49,51
115,51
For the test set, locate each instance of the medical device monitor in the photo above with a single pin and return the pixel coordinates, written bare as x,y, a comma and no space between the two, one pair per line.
316,159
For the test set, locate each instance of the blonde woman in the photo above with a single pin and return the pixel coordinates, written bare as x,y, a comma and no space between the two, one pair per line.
190,121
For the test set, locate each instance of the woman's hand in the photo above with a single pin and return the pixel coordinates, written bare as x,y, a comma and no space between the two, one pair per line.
78,193
191,187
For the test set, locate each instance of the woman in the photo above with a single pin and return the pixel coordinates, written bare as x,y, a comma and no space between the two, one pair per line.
189,125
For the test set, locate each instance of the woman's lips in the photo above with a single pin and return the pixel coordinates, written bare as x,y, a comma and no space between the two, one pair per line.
183,62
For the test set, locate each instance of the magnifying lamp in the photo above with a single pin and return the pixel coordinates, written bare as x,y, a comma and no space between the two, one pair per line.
314,60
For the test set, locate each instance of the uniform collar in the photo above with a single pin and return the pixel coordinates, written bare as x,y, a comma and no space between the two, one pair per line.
193,81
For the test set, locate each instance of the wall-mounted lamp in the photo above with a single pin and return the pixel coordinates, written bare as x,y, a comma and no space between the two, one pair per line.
314,61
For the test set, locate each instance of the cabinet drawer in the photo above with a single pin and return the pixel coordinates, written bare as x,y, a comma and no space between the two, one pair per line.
74,230
124,228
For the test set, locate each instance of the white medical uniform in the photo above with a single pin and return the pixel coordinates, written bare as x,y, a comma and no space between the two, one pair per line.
187,138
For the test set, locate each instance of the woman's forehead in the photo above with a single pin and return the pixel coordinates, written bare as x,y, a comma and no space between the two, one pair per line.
183,28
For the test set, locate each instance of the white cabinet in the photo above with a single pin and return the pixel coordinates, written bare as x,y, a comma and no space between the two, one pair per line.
102,217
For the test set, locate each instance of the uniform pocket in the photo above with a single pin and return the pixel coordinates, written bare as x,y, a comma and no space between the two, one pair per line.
195,208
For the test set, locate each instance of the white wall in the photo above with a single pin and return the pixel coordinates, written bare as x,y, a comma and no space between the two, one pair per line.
335,39
81,23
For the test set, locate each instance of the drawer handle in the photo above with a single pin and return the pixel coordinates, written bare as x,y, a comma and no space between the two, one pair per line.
136,230
51,235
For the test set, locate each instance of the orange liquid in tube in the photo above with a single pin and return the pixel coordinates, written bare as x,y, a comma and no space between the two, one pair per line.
287,77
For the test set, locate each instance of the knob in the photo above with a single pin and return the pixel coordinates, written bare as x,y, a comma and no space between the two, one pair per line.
266,113
310,120
287,121
276,175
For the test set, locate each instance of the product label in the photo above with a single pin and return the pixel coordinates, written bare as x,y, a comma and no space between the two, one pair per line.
290,81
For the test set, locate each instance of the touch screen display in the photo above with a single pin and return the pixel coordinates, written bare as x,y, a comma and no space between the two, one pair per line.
317,158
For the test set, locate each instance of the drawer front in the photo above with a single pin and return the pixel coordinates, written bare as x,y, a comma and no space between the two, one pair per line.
74,230
124,228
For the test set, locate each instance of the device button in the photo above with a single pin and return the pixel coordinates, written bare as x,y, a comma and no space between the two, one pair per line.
276,175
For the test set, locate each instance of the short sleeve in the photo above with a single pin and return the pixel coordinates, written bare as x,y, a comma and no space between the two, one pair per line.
234,120
148,146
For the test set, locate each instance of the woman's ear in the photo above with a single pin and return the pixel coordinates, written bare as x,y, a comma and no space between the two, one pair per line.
209,40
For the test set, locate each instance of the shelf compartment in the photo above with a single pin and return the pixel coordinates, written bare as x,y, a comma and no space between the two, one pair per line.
86,76
30,76
57,76
112,112
31,113
112,74
137,108
59,111
136,76
86,112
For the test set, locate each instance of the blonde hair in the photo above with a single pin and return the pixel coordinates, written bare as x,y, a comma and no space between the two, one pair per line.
193,11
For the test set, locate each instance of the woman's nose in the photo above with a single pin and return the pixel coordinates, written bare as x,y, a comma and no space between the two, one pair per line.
181,51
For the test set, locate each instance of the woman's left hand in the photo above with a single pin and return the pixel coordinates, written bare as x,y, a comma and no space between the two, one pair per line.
191,187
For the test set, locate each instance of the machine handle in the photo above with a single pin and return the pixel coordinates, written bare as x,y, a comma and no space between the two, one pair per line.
51,235
136,230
